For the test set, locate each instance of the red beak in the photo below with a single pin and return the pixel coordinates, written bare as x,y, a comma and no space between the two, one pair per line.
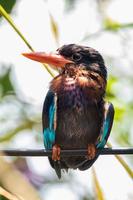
52,59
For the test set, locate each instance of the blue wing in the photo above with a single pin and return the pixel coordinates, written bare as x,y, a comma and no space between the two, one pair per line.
49,133
48,114
107,124
48,120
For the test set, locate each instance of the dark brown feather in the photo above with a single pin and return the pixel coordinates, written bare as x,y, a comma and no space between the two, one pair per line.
92,83
79,109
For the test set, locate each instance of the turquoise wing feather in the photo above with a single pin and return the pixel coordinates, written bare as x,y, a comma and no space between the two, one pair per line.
49,114
107,125
49,123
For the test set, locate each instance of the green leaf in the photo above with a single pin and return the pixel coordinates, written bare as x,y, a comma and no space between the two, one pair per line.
54,28
111,82
8,5
3,198
6,84
110,24
119,112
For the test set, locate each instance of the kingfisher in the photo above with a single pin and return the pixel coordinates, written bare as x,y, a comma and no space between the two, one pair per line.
75,114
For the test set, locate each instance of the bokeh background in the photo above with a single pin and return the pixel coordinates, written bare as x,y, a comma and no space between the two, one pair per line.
106,25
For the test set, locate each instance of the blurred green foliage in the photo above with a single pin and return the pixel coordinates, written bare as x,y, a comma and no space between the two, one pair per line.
6,86
9,95
112,25
31,121
69,5
8,5
3,198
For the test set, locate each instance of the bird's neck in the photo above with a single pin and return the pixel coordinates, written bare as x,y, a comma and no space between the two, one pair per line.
90,85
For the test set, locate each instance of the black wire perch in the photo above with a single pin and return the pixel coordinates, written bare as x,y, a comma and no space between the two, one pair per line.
64,153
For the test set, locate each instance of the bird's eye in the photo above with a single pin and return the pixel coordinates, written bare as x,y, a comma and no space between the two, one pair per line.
76,57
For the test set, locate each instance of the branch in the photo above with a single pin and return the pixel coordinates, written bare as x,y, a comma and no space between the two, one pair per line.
64,153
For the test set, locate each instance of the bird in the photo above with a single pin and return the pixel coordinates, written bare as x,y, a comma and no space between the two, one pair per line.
75,114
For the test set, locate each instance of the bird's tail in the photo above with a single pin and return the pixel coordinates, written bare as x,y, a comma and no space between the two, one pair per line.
57,167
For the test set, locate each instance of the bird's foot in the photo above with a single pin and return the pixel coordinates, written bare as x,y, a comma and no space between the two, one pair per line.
56,152
91,151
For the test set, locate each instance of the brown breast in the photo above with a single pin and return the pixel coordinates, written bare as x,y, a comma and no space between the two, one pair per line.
93,85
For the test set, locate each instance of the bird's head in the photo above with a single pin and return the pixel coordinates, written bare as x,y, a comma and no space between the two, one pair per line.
81,68
72,56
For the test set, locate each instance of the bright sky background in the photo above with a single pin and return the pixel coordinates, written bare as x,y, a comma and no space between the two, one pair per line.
33,20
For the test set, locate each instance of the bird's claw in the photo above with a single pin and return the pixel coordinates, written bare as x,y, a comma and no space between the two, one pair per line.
91,151
56,152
